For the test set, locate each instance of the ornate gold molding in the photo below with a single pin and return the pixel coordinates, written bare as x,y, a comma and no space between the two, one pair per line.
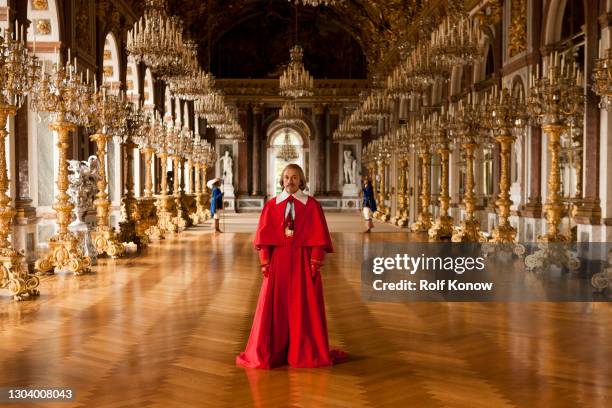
517,32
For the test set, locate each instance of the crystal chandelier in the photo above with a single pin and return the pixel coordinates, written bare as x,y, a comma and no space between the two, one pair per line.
377,105
602,80
287,151
345,132
211,107
232,131
192,87
455,41
156,40
296,81
290,113
359,121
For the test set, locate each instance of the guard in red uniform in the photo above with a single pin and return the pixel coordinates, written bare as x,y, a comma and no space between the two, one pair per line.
289,325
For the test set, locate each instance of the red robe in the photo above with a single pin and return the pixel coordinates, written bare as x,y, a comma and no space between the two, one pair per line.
289,326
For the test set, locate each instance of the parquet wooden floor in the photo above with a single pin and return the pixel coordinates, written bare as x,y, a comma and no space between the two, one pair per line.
162,330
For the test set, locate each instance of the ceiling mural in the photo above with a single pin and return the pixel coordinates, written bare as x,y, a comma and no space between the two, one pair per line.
373,25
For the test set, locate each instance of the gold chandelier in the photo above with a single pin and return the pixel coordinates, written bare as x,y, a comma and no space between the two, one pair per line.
157,40
345,132
296,81
211,107
455,41
290,113
192,87
602,79
287,151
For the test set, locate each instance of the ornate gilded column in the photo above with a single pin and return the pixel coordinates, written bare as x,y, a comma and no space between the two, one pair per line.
146,204
64,251
508,113
443,227
128,220
190,196
400,218
504,232
104,237
164,201
423,222
13,276
556,100
178,213
554,207
469,230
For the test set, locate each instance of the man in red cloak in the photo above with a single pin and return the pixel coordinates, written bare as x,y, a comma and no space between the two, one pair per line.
292,238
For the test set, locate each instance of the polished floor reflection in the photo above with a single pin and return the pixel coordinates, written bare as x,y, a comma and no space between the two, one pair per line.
162,330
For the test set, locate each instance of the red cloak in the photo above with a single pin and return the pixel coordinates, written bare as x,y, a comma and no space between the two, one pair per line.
289,326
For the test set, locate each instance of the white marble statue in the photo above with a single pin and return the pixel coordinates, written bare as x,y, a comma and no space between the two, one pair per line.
228,164
350,167
82,191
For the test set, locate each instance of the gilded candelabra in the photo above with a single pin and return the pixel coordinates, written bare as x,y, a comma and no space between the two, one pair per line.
181,216
147,216
164,201
382,161
506,116
602,79
422,145
68,98
133,125
401,147
556,99
439,133
467,130
204,157
19,72
108,118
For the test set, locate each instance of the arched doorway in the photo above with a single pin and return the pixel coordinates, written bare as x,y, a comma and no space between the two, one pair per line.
275,164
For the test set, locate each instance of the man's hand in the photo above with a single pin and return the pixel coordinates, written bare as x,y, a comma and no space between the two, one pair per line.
265,270
315,268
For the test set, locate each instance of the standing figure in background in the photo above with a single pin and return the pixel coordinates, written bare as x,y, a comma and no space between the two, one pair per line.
349,167
369,204
228,172
216,202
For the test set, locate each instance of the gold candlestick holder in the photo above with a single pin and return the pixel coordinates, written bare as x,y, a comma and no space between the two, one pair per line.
424,222
20,73
468,132
443,226
129,210
555,101
469,229
103,236
164,201
554,206
146,204
64,251
180,218
508,114
13,276
420,142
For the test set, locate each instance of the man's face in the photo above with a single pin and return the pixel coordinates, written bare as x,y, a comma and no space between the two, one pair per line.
291,180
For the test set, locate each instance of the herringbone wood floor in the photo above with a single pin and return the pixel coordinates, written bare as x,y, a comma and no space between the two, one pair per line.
162,330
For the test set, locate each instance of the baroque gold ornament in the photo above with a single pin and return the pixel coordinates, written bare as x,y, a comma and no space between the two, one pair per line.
103,236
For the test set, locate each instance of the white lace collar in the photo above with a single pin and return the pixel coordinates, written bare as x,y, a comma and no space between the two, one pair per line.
298,195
